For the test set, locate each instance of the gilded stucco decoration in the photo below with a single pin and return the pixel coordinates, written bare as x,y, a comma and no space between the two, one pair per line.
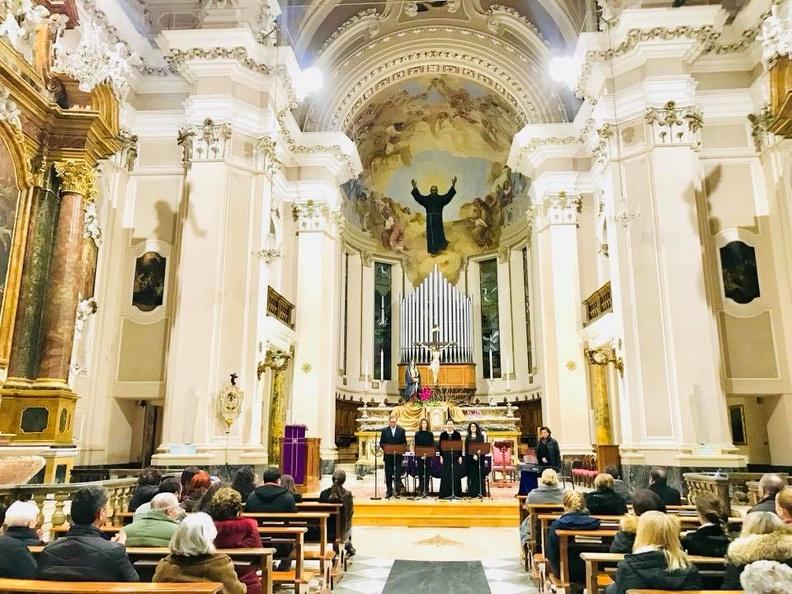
77,176
201,143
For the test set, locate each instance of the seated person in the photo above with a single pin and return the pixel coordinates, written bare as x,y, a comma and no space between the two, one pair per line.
603,500
199,484
711,539
644,500
156,527
657,561
168,485
548,491
273,498
658,484
15,559
769,486
575,517
235,532
784,505
767,577
193,558
619,486
84,554
338,494
287,481
147,486
764,537
244,482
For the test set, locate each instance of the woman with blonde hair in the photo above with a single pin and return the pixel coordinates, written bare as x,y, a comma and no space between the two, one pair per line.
575,517
765,537
657,561
193,557
783,503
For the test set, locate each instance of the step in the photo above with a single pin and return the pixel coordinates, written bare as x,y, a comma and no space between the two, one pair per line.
462,513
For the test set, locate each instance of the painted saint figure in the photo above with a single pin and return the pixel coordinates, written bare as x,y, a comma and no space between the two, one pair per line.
434,204
412,381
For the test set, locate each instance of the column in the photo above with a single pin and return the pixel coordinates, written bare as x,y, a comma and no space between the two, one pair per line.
25,352
598,361
277,362
313,400
565,403
77,185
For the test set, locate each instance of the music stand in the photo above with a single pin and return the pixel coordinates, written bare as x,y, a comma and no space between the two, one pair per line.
425,452
452,446
394,449
480,449
376,496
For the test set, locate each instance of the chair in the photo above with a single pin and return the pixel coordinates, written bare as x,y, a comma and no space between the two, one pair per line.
502,461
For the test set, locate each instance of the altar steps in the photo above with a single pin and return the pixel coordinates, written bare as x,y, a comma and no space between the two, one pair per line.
462,513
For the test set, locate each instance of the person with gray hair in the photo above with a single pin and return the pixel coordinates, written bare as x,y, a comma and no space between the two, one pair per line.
193,557
15,559
767,577
156,527
769,486
764,537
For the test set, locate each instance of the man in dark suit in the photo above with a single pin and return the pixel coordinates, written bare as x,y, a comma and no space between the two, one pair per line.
669,495
392,434
548,454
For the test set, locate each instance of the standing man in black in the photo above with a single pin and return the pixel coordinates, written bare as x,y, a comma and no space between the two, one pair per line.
392,435
548,454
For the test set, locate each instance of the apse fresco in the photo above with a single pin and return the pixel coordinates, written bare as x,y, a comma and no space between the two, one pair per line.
432,130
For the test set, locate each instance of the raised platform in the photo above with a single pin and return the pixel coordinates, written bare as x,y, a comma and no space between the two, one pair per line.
463,513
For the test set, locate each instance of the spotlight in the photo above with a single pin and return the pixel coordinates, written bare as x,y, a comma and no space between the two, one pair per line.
311,81
565,69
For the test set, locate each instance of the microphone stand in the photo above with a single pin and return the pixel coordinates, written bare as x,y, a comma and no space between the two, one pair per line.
376,495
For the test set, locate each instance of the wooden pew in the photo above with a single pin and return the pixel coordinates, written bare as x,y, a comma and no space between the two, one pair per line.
9,586
260,557
122,518
108,529
563,547
533,511
298,577
324,556
336,519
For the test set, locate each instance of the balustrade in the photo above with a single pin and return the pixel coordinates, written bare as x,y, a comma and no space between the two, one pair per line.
597,304
699,483
279,307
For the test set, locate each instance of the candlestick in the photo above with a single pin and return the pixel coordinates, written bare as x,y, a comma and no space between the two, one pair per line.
492,376
382,365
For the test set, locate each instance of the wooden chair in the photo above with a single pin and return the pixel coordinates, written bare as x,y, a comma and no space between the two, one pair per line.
8,586
502,462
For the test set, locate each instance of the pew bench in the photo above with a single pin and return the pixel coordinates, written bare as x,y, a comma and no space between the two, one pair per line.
336,520
109,529
598,564
297,577
9,586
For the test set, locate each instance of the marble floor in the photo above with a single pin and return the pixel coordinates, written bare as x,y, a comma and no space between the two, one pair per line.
378,547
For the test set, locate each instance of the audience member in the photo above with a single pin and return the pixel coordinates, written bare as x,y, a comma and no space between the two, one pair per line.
84,554
604,501
336,493
769,486
657,561
767,577
206,499
711,538
548,491
147,486
15,558
186,476
764,537
784,505
199,483
619,486
244,482
235,532
168,485
273,498
658,484
575,517
193,557
287,481
155,527
644,500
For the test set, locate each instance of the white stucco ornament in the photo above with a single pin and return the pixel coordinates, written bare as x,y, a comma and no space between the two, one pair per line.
776,35
229,402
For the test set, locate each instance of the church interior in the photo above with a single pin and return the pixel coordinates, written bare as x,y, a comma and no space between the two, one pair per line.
427,259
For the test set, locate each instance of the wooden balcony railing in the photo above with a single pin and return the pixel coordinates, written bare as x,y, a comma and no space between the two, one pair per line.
279,307
598,304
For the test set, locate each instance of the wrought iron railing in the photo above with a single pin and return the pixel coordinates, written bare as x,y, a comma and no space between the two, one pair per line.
597,304
279,307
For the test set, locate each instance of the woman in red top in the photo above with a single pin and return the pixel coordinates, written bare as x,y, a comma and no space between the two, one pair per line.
235,532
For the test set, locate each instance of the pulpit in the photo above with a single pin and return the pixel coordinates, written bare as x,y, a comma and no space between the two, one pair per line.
294,453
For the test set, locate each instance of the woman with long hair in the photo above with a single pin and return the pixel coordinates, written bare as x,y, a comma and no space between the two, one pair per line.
657,561
287,482
474,463
711,538
575,517
336,493
244,482
199,484
424,438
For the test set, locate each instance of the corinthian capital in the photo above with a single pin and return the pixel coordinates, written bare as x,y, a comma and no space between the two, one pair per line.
560,208
77,177
311,216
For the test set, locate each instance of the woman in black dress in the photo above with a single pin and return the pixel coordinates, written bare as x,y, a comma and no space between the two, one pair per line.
474,464
424,438
451,434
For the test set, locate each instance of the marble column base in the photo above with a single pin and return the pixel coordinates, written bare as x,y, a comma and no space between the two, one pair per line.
327,466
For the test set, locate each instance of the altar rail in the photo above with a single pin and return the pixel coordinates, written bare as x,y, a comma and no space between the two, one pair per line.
715,484
279,307
54,501
597,304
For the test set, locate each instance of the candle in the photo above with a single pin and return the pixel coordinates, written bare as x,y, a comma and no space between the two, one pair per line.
382,365
490,364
